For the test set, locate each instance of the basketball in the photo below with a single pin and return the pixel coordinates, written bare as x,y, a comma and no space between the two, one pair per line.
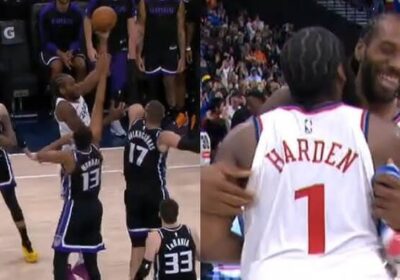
104,19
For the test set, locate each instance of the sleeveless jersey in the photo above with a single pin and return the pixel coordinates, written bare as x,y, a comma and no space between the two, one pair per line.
205,148
161,24
312,176
144,164
176,257
82,111
85,180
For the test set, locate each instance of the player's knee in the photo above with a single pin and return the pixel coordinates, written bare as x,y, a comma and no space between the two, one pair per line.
138,240
56,67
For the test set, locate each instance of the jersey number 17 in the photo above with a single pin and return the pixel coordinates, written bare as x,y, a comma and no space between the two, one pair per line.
140,154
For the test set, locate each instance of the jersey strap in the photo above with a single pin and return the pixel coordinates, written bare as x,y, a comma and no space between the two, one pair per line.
258,126
365,123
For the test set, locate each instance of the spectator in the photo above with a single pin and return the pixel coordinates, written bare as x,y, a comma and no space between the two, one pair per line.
162,48
118,46
215,124
60,28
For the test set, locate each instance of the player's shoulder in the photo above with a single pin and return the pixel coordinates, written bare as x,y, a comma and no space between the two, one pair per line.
47,8
75,8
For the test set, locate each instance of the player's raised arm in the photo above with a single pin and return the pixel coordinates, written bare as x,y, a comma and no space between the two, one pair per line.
153,243
169,139
221,245
135,112
8,139
96,124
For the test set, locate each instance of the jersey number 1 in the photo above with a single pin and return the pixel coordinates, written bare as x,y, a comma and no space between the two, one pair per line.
316,217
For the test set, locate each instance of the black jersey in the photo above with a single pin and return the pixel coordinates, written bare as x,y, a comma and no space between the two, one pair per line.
161,24
144,164
176,257
85,180
124,9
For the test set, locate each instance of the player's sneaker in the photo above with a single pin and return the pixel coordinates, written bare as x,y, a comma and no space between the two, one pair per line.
80,270
30,257
117,129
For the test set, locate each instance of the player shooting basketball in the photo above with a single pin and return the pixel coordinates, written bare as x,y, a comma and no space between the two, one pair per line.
80,232
309,89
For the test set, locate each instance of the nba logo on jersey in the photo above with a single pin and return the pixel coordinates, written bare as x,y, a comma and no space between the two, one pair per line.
308,126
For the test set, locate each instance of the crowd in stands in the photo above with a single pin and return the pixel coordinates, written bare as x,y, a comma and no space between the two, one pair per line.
239,68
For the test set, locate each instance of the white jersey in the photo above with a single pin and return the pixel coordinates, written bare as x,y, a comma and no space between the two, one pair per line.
312,218
82,111
205,148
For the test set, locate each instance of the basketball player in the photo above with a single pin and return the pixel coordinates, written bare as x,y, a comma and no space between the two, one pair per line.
118,45
80,221
321,145
376,52
60,28
7,184
145,172
173,248
162,45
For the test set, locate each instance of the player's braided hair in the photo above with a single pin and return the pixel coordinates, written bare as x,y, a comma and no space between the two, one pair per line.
309,61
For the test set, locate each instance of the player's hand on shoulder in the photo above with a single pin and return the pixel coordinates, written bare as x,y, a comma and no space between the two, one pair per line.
386,204
220,191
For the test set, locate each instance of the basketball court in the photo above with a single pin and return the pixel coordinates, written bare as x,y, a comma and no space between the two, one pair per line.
38,192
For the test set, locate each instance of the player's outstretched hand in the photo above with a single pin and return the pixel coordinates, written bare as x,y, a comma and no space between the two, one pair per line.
29,154
219,194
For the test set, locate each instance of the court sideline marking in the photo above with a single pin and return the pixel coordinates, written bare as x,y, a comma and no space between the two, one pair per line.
173,167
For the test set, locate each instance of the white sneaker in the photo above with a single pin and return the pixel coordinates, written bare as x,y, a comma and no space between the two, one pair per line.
117,129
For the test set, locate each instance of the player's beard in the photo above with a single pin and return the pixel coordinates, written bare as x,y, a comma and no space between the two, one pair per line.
350,94
369,84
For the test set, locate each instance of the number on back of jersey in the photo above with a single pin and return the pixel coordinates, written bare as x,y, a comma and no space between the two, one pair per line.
91,179
137,154
181,262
